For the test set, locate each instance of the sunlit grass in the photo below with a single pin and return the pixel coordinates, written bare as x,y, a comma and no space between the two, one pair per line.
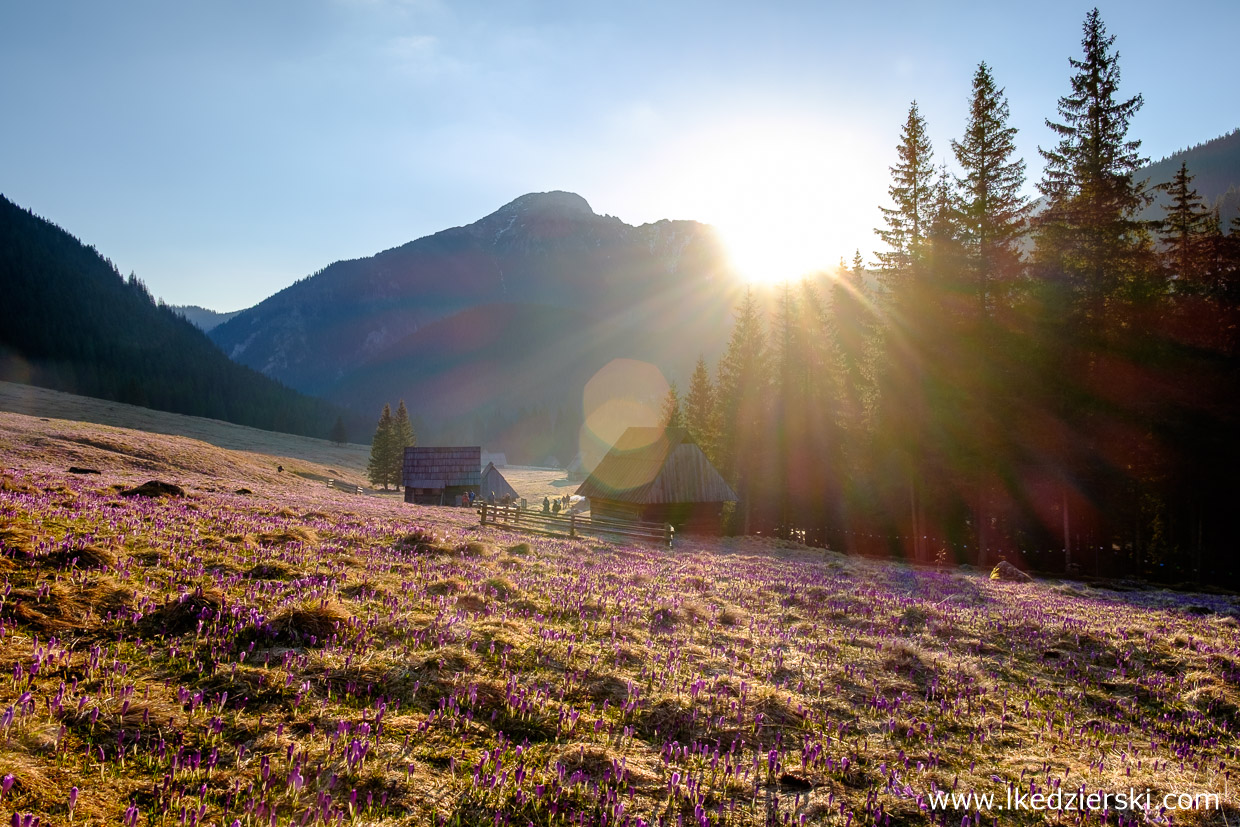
313,655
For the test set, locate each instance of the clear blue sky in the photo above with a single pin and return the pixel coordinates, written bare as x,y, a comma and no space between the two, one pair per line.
222,149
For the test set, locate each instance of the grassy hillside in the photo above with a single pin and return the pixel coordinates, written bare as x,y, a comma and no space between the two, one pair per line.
69,321
298,655
349,460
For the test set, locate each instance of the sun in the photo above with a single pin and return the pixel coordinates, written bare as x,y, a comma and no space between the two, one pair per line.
781,192
767,247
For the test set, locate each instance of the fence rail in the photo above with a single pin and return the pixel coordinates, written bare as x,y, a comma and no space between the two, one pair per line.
346,487
574,525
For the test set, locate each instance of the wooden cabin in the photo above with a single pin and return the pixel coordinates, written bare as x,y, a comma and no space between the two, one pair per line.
493,486
439,475
658,475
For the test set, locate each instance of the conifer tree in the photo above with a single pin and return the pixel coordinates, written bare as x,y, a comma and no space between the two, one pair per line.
743,394
854,337
1185,231
339,434
914,191
911,193
379,468
699,411
1093,257
402,438
670,415
1089,236
992,211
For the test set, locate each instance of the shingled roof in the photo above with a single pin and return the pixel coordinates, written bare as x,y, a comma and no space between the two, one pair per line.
654,466
493,483
439,467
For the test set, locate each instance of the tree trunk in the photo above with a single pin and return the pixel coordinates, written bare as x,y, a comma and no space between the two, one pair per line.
1067,534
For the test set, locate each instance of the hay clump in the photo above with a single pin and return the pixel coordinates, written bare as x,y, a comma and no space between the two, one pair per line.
86,557
471,603
272,570
309,625
289,534
475,550
181,616
500,587
16,486
423,541
16,541
449,585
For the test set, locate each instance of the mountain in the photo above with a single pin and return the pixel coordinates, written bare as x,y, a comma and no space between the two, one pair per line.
513,311
1215,167
70,322
201,317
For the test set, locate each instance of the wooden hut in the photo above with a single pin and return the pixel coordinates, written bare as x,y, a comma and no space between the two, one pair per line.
658,475
438,475
493,485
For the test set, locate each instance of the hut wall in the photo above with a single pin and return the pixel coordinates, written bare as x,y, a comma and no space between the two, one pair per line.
687,518
613,510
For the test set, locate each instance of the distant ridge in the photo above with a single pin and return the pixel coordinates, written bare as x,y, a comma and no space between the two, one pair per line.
492,329
201,317
1215,167
70,322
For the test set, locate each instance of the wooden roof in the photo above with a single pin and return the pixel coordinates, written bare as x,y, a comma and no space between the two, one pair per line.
493,482
440,467
653,466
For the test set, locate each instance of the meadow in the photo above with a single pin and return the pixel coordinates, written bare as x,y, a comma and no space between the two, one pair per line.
264,650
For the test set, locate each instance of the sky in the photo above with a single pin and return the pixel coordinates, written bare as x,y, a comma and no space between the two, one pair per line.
223,149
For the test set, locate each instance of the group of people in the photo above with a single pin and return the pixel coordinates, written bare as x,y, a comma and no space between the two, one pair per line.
470,498
555,506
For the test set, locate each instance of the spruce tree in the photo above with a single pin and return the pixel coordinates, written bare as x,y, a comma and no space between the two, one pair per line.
1088,236
917,194
992,211
1185,230
911,193
339,434
379,468
1094,264
743,394
854,331
699,411
402,438
670,415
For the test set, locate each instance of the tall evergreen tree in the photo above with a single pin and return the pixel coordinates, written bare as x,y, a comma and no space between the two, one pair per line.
854,329
743,396
699,411
379,468
339,433
1186,231
1089,236
671,415
991,217
402,437
1095,265
992,211
917,194
912,192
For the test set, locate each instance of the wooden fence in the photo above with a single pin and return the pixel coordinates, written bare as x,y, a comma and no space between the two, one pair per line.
348,488
573,525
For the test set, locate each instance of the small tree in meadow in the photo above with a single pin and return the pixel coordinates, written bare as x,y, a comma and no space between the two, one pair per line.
379,468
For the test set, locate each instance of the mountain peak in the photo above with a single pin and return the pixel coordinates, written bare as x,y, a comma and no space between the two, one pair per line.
556,201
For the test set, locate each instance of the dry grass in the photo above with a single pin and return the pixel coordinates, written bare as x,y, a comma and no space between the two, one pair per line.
348,461
779,680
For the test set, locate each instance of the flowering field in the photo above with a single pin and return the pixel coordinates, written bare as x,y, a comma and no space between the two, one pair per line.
294,655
